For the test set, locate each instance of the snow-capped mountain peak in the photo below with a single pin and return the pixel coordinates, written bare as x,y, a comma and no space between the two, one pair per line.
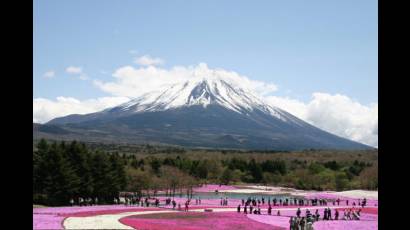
201,112
202,91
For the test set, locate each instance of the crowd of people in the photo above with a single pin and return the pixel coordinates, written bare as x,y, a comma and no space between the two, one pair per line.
299,222
224,201
253,206
198,200
285,202
138,201
282,202
84,201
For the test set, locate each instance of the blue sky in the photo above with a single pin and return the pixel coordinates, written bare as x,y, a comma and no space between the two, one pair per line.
321,55
301,46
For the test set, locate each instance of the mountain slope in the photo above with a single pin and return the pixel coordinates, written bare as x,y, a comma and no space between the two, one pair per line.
203,112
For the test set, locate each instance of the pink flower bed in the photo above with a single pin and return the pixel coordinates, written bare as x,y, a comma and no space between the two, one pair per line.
283,219
276,221
75,209
195,221
329,195
105,212
342,225
53,217
213,187
48,221
369,210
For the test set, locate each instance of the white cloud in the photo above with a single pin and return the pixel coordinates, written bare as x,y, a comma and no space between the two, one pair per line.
49,74
293,106
74,70
147,60
337,114
46,109
77,71
132,82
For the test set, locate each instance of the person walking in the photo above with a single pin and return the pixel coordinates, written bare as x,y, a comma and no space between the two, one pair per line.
297,223
291,223
302,223
364,202
186,206
329,214
317,215
298,212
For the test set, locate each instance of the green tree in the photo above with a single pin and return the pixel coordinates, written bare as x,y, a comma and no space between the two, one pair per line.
59,179
226,176
202,169
79,158
341,181
214,169
155,165
255,170
315,168
119,175
103,178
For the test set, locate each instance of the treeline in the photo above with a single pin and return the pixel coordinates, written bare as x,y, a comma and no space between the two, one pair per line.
69,171
297,173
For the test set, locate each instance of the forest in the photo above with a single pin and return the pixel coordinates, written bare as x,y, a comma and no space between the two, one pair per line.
70,170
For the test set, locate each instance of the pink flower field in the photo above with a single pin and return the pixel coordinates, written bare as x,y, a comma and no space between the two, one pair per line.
52,218
47,221
222,217
342,225
195,221
330,195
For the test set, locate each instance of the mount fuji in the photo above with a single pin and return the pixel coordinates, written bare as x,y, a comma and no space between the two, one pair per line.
209,112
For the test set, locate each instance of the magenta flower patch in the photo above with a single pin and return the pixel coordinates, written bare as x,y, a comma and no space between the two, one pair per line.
195,221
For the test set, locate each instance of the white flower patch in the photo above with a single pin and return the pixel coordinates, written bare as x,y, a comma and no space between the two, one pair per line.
110,221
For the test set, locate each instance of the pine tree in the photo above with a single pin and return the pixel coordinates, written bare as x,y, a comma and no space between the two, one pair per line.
103,177
38,185
255,170
59,179
118,173
79,158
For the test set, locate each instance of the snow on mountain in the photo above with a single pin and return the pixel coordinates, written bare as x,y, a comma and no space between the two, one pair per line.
203,91
205,111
